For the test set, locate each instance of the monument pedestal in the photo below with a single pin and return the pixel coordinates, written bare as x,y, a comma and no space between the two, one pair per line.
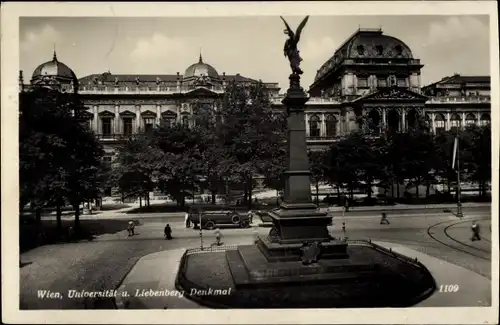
277,258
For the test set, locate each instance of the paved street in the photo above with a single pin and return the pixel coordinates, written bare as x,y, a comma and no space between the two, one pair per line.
104,262
436,233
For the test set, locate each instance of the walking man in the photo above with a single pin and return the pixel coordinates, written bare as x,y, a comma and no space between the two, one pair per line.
187,221
218,237
168,232
475,231
250,216
384,220
130,228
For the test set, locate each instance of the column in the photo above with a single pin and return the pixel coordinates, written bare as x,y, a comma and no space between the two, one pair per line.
447,126
338,125
95,122
384,119
433,123
307,124
116,121
402,126
158,114
322,132
463,121
137,118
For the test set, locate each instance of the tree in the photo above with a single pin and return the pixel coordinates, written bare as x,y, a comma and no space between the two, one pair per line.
250,132
137,164
318,168
179,161
58,155
342,165
475,151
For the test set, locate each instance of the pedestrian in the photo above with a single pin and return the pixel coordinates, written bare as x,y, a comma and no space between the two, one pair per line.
250,216
130,228
475,231
384,220
187,221
218,237
346,204
168,232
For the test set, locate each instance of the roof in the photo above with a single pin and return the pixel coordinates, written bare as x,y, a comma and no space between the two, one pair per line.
367,43
458,79
54,68
201,69
151,78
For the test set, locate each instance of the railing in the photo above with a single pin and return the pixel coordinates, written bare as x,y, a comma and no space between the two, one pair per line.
464,99
211,248
115,137
311,101
322,138
140,90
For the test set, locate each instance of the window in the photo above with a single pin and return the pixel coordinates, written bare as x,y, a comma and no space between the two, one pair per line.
379,49
314,126
455,122
362,82
106,126
168,121
399,50
331,126
439,123
185,120
485,120
392,80
148,124
127,126
361,49
470,119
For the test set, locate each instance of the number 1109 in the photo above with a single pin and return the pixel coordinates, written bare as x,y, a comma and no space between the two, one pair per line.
448,288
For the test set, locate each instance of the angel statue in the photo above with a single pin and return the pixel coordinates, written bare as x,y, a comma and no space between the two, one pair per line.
290,49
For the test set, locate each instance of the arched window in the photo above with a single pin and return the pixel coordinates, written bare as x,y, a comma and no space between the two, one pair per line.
185,120
470,119
439,123
331,125
485,119
455,122
314,126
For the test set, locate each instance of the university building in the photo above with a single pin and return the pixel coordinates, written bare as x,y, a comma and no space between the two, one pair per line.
371,82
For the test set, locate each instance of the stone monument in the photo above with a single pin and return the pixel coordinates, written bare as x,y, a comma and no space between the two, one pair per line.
299,264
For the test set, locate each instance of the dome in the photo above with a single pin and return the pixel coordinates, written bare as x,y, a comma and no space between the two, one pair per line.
367,43
201,69
376,45
56,69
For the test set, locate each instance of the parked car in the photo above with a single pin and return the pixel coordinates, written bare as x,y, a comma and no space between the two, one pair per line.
211,219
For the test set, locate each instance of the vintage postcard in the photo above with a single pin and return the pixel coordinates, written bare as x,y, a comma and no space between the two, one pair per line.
301,162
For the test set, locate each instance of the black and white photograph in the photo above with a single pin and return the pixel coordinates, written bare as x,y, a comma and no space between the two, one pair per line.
250,163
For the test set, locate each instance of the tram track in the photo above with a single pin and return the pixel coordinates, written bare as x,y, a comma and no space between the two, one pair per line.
452,242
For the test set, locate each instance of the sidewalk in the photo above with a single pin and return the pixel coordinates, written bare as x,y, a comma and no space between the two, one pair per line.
408,207
154,274
122,213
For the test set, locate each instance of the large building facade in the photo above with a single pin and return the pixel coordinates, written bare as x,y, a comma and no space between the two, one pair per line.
371,82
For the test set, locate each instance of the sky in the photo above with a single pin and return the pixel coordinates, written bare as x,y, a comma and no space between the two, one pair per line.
251,46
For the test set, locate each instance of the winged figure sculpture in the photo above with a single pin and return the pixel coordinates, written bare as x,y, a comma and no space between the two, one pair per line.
291,51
